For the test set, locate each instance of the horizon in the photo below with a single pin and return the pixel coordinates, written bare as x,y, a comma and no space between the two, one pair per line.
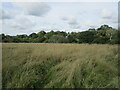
54,31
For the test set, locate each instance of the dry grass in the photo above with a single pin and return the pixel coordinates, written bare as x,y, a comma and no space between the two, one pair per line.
59,65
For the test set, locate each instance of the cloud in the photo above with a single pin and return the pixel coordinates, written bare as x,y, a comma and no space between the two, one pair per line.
33,17
108,16
72,21
60,1
0,26
19,25
33,8
112,20
0,11
45,28
65,18
22,23
88,24
6,14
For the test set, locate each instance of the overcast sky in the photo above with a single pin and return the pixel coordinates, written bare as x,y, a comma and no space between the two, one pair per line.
25,18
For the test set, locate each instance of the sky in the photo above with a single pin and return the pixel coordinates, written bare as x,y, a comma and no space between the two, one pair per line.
28,17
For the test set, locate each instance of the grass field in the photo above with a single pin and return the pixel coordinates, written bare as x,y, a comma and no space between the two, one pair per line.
59,65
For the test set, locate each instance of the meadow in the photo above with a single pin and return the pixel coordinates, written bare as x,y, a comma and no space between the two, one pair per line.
42,65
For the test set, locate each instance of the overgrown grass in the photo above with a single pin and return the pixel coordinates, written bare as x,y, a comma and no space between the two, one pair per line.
59,66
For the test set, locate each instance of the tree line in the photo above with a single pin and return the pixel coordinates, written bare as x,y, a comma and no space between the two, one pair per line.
103,35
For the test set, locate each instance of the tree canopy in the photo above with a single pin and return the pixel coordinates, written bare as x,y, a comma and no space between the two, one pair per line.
103,35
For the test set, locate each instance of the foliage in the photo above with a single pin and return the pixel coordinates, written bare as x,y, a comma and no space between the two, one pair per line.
102,35
86,37
58,39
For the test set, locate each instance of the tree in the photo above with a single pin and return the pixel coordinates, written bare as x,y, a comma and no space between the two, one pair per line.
33,35
49,34
20,38
58,39
101,40
73,37
41,33
104,27
61,33
114,37
103,35
41,36
7,38
91,29
86,37
2,37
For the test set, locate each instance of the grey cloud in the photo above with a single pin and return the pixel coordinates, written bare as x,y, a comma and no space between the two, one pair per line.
22,23
64,18
33,8
6,14
72,21
113,20
109,16
106,14
93,26
75,26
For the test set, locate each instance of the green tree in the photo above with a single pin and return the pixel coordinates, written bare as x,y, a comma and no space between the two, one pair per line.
7,38
41,33
49,34
104,27
73,37
86,36
61,33
104,34
33,35
41,37
58,39
2,37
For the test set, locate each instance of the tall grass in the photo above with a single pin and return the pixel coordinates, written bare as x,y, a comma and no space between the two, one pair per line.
60,66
